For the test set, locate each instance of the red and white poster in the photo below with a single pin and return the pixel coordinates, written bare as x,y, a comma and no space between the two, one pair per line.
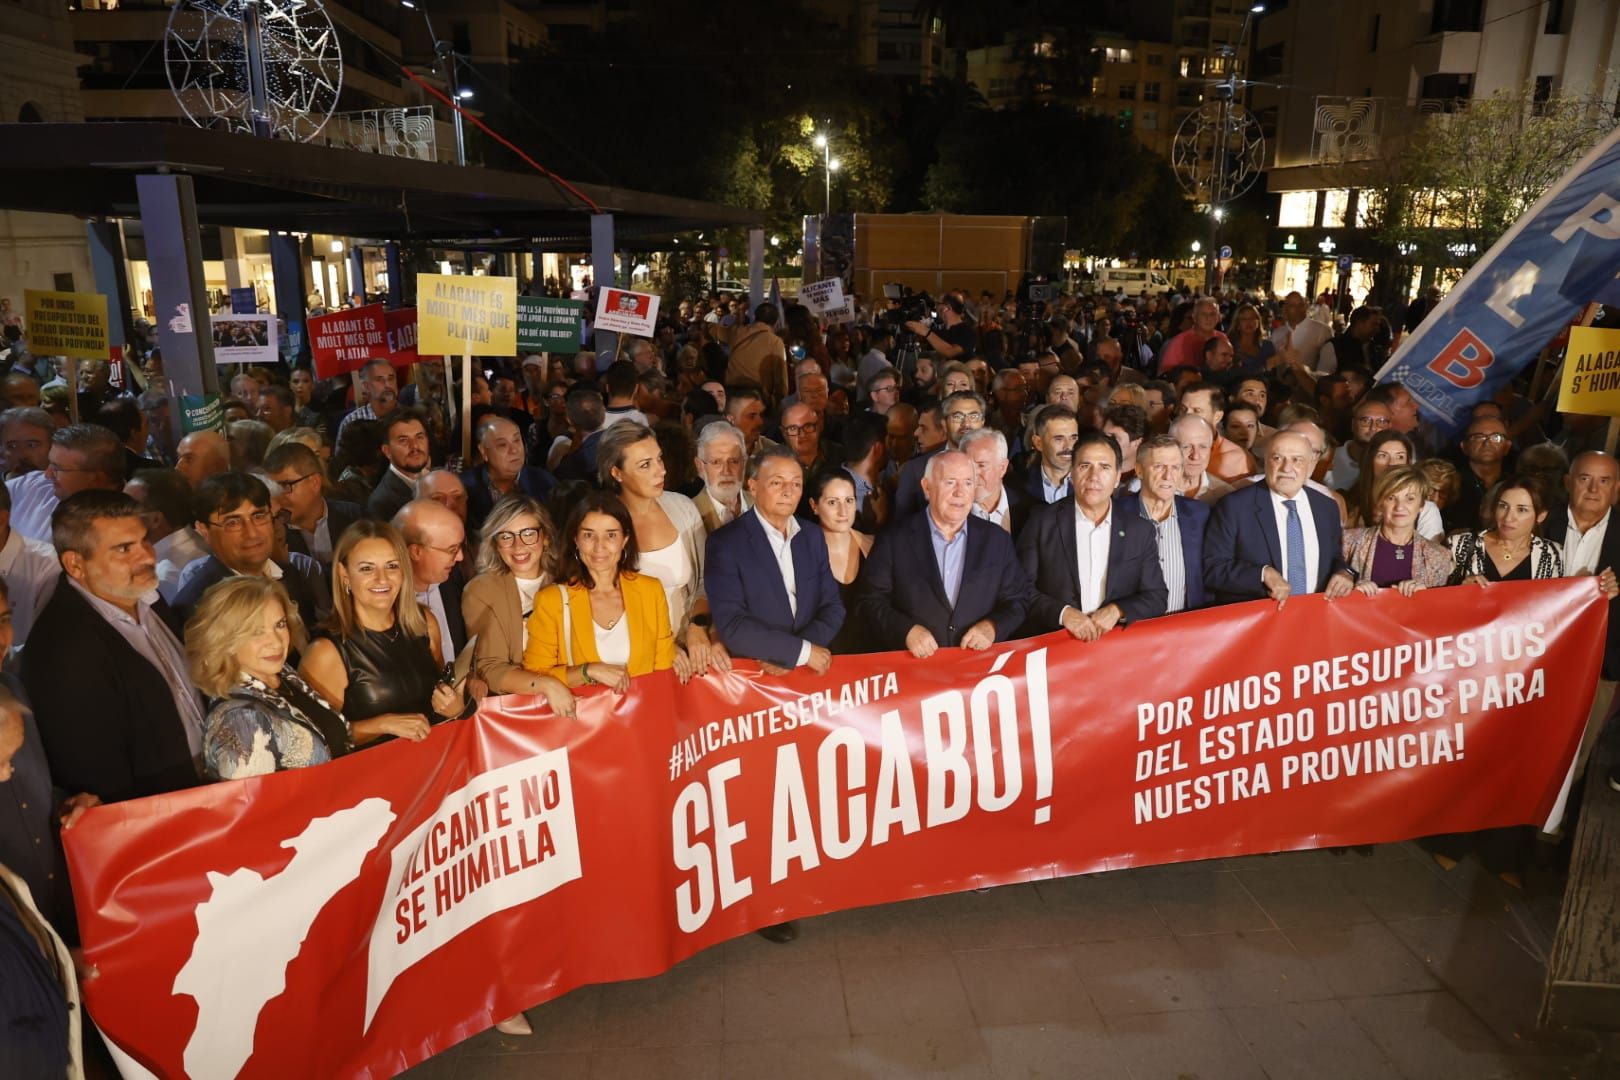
387,905
625,312
343,341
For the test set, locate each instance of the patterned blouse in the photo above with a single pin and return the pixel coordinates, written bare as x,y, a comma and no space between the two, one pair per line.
257,730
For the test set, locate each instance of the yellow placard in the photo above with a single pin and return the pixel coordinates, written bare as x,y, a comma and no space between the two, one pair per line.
457,314
1591,372
66,324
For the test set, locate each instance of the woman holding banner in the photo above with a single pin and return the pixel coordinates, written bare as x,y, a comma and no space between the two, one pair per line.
670,541
514,563
382,657
1390,553
266,718
603,622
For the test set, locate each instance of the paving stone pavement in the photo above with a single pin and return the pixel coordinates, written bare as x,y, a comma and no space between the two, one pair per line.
1309,964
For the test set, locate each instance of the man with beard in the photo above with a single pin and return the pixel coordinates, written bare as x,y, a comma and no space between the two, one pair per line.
381,387
962,412
721,461
405,447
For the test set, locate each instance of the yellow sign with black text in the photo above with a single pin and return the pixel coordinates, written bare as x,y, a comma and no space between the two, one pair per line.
1591,373
460,314
66,324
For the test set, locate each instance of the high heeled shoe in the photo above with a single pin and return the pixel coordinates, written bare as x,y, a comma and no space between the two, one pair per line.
516,1024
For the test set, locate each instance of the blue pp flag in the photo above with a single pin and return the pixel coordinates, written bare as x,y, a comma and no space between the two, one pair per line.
1562,255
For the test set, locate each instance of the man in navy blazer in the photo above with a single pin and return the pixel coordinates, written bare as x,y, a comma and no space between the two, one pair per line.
1178,522
1094,566
1246,549
943,577
768,578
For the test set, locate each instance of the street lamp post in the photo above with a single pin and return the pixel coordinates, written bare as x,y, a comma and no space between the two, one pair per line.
445,55
829,166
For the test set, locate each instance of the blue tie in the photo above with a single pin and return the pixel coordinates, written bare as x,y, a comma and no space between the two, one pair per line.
1296,551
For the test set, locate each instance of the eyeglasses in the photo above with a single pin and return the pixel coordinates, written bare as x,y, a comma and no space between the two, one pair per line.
1495,438
886,389
236,522
966,417
507,538
295,481
1372,421
790,430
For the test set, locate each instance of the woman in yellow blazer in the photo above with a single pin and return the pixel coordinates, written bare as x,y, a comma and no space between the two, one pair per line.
604,623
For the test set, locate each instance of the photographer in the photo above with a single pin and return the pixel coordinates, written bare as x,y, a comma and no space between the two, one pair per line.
956,339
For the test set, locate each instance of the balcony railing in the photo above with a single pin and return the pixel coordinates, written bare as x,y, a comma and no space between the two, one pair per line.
407,132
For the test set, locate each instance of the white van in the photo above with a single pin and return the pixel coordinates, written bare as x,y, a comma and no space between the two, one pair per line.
1130,281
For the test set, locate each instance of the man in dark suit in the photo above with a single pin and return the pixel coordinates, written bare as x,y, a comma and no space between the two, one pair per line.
1053,431
768,578
1177,521
436,540
1094,567
405,447
233,514
314,522
503,471
1279,538
1590,539
104,667
995,500
963,411
943,577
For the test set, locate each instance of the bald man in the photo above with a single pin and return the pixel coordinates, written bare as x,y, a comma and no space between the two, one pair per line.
201,455
436,541
500,441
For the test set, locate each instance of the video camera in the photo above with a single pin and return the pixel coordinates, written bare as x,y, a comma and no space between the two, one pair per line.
908,307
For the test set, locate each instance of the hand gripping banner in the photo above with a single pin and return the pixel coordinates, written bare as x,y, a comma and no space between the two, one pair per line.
356,918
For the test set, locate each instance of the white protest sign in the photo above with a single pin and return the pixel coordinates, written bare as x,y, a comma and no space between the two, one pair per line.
626,312
823,297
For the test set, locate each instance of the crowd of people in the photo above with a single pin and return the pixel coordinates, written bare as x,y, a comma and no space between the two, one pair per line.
745,486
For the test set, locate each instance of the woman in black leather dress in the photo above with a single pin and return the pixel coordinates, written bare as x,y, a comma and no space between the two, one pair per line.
382,657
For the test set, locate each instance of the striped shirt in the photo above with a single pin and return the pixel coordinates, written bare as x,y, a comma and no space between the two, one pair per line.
1171,562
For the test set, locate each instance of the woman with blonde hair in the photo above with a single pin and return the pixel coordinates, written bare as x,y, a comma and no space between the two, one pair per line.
514,562
603,622
1251,345
382,656
1389,552
265,718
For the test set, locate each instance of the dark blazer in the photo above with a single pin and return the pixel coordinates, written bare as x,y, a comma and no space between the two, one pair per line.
481,498
1556,532
105,713
339,516
1028,480
302,576
908,492
450,596
900,585
1192,518
1242,540
749,601
1047,551
388,496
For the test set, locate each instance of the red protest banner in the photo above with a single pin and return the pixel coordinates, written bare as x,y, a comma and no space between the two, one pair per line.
344,340
398,900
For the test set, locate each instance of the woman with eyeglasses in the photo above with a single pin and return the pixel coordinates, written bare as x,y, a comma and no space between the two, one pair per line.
382,657
670,539
514,563
603,622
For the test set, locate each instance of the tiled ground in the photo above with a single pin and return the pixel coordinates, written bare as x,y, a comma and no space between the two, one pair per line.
1312,965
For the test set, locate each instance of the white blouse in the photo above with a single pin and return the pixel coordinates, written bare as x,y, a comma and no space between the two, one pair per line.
673,568
613,645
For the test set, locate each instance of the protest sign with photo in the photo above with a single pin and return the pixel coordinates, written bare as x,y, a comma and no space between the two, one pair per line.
549,324
623,312
244,339
402,898
460,314
66,324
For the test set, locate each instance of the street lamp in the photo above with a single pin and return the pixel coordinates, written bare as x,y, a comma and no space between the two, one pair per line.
443,53
829,166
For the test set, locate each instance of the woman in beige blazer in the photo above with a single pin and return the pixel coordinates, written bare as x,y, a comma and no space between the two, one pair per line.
514,564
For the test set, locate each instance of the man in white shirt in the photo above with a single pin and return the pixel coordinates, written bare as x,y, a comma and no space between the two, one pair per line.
1196,437
994,499
82,457
435,539
30,569
165,500
1308,338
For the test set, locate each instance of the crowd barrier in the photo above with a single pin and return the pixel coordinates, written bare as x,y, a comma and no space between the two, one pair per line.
356,918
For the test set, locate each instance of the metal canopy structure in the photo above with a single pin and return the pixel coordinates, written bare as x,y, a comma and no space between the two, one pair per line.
241,181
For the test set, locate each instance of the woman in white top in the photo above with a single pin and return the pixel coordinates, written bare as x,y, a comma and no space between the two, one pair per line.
670,539
514,562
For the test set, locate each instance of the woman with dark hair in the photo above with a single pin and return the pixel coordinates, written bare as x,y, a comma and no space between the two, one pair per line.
1512,548
832,500
1385,451
603,622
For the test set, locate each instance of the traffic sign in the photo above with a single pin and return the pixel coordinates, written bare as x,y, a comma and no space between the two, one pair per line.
1226,251
1344,264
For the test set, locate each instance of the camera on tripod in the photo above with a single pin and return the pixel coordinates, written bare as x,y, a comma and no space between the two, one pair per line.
908,307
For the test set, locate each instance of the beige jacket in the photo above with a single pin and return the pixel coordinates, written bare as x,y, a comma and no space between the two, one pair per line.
758,358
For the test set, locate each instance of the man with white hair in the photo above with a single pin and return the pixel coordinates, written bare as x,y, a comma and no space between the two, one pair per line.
1277,539
443,487
721,461
994,499
1196,437
1302,338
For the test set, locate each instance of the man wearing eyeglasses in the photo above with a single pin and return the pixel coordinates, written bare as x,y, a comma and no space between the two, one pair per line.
1485,447
1368,419
436,542
314,522
82,457
962,412
802,429
233,512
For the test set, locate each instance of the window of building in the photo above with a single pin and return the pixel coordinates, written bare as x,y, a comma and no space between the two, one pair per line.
1126,56
1372,35
1127,119
1155,59
1457,16
1042,48
1150,120
1558,16
1297,210
1186,66
1335,208
1542,97
1448,87
1127,90
1150,92
1099,86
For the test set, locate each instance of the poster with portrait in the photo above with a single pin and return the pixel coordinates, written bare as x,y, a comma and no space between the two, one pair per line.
244,339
